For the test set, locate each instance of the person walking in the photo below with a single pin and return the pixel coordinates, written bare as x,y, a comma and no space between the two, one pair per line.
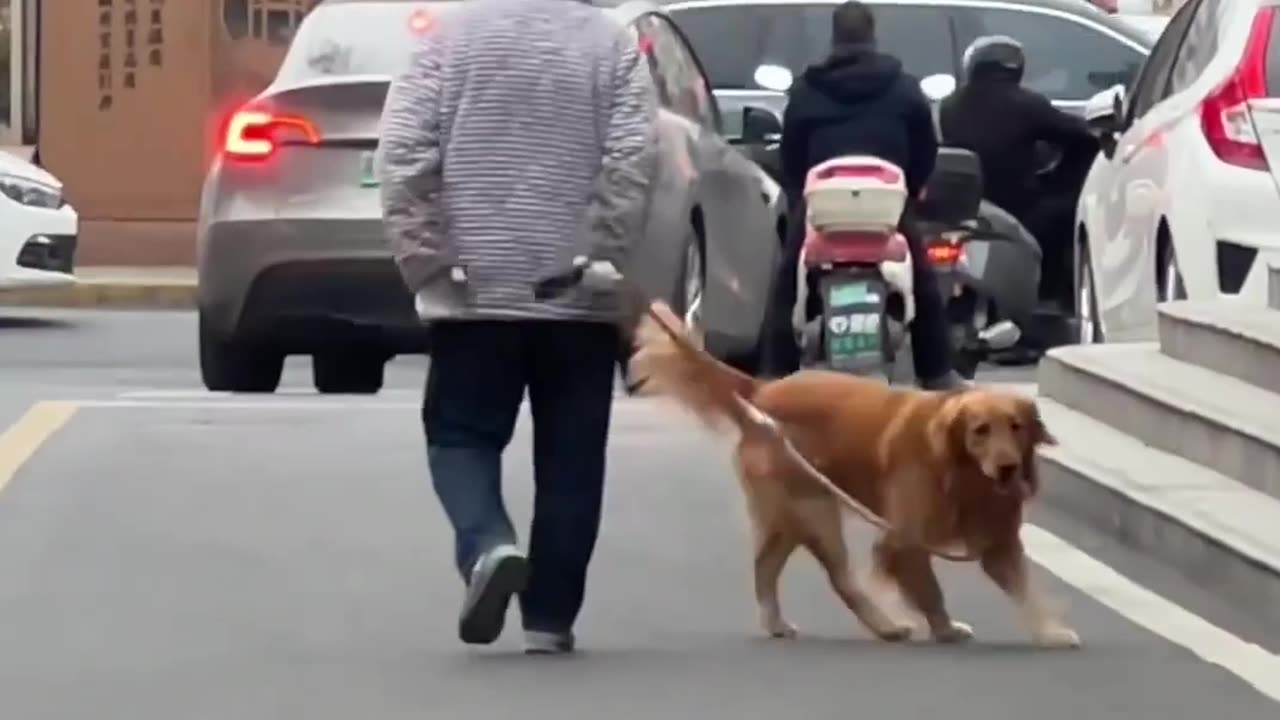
521,137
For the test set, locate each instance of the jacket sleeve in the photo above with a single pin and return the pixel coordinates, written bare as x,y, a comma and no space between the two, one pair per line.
918,116
619,203
794,149
1060,128
409,169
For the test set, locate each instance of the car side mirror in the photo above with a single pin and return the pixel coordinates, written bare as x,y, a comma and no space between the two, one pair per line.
1104,116
761,126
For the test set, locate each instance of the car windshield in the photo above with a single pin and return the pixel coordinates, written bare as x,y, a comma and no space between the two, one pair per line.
357,38
796,35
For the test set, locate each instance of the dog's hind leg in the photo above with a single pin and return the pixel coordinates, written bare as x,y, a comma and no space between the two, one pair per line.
912,568
773,547
1007,567
823,537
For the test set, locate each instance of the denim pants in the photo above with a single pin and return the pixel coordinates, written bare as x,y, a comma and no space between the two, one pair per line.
479,373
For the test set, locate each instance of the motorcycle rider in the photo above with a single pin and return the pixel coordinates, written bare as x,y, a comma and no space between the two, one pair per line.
858,101
992,115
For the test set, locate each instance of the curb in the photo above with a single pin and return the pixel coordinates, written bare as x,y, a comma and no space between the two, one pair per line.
117,294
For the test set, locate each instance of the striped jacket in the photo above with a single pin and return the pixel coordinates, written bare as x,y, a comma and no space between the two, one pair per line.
522,134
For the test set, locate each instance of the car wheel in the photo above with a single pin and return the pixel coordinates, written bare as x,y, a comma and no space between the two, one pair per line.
234,366
1169,285
355,374
1087,315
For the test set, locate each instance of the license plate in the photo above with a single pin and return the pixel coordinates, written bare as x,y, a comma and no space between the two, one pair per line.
853,321
368,174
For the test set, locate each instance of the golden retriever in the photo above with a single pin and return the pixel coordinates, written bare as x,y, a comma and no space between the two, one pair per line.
944,471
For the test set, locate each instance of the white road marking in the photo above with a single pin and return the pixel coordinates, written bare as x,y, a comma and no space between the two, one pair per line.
1253,664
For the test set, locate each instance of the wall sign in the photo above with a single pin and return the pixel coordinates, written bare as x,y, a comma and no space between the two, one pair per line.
128,30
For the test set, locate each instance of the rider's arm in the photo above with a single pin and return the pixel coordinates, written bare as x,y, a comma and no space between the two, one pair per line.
1058,127
924,139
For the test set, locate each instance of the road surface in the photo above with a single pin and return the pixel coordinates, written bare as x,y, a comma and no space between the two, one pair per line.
169,554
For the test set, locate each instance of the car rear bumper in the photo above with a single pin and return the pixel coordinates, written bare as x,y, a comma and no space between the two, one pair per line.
305,285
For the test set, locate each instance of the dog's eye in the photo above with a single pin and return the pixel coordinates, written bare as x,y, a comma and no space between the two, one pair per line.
1015,426
982,429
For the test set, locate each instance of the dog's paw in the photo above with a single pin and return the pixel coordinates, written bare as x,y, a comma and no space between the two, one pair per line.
957,632
782,630
896,632
1057,636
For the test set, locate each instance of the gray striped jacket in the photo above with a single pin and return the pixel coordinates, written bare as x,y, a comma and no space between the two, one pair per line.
522,134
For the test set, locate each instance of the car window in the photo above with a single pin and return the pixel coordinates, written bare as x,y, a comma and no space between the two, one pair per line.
681,85
1197,48
1147,89
374,38
1066,60
733,40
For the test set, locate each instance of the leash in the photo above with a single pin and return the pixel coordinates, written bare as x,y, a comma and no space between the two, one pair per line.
762,422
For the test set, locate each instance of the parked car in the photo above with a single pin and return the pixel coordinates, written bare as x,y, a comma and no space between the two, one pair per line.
291,253
38,228
1183,200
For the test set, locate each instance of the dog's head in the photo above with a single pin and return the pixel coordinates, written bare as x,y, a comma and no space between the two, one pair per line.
994,433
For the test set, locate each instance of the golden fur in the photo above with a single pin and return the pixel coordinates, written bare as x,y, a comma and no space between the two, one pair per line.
943,470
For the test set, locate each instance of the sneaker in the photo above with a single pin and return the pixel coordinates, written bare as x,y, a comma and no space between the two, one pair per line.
537,642
498,574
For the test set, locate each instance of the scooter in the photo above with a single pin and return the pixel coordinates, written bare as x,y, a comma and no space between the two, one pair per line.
858,263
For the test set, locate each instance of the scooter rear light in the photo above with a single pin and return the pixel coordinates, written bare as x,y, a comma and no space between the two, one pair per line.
944,254
876,172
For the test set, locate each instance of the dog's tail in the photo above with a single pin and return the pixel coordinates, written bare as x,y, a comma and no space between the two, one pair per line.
670,361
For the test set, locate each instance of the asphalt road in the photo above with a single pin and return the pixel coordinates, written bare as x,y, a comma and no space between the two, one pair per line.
170,554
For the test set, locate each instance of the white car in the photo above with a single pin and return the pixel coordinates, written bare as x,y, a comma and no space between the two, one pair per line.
38,229
1184,200
1150,25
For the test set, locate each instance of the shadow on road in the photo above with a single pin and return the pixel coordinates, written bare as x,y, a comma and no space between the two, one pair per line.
33,323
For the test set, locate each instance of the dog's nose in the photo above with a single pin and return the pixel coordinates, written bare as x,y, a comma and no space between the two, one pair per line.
1007,473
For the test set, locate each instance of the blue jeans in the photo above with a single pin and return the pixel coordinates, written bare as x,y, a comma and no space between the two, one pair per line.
479,374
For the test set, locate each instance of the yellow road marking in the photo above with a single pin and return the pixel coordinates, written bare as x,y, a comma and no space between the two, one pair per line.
25,437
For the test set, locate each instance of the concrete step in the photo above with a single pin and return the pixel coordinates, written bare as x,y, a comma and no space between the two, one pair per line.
1225,337
1219,533
1273,287
1213,420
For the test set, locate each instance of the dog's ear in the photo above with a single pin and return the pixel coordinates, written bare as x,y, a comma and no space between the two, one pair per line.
946,430
1037,434
1030,413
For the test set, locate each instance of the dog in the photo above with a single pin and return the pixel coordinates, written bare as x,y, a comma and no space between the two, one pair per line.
948,473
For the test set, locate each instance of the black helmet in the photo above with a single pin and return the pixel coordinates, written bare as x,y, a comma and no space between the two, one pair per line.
994,56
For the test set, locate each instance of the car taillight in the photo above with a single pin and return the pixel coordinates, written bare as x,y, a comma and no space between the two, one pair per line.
1224,115
254,134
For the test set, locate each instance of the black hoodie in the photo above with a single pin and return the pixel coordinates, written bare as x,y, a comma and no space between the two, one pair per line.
857,102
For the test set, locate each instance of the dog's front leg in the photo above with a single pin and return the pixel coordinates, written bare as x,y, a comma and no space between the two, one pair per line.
1006,565
912,569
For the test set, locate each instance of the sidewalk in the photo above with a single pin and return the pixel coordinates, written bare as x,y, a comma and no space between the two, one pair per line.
160,288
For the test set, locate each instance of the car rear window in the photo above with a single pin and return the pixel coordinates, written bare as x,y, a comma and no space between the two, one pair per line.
357,38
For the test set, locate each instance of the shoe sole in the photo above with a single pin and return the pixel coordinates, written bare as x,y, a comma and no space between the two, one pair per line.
484,619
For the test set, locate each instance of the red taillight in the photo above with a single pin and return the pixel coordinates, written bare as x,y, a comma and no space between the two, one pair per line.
253,134
944,254
1224,115
420,21
878,172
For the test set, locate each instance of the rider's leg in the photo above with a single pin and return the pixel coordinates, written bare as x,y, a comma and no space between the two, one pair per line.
930,340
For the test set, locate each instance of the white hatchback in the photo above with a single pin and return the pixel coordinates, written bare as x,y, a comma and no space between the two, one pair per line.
38,228
1184,199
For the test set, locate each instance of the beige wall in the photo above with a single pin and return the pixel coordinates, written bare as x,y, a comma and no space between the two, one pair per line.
129,128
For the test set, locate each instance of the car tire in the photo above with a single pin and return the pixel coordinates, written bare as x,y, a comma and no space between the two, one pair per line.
351,374
1169,283
1088,327
228,365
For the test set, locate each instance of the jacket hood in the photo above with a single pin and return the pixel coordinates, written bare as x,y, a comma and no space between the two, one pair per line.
853,73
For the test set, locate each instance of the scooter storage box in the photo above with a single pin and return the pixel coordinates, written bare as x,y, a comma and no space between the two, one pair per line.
954,191
855,193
